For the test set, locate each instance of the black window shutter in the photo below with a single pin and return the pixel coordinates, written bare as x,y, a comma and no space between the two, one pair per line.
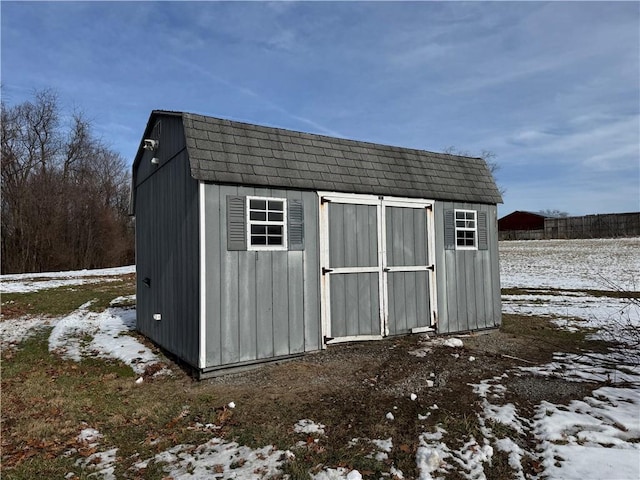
296,225
483,241
236,223
449,231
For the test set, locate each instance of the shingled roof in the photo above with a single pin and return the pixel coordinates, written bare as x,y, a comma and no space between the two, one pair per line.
226,151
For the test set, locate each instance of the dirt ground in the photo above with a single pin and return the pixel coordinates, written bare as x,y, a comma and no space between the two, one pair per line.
350,388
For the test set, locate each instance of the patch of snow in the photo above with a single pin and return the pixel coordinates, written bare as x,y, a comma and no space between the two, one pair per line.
390,416
384,448
33,282
516,454
453,342
89,436
219,459
339,473
101,464
123,299
431,454
85,334
98,272
15,331
233,405
413,397
354,475
395,473
309,427
582,462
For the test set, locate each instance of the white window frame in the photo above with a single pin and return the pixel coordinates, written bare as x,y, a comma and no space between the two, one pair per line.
466,229
282,223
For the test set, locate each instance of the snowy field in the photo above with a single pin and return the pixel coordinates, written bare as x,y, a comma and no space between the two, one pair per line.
595,437
575,264
33,282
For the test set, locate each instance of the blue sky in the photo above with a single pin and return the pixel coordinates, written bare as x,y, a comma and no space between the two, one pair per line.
551,88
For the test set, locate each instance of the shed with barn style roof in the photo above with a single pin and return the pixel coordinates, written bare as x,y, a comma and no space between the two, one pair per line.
257,244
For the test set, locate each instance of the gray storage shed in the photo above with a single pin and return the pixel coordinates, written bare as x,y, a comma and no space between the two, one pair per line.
256,244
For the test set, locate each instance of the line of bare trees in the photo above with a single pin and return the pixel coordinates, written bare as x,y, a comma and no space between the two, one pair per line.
64,192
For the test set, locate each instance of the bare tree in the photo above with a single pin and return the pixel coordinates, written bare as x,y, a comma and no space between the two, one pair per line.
62,192
487,155
553,213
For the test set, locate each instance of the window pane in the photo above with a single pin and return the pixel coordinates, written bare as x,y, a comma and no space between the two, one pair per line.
258,204
274,229
460,223
258,240
258,229
258,215
275,205
275,240
275,216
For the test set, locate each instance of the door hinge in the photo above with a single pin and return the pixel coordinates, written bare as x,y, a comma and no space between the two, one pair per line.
326,270
432,268
327,339
324,200
429,207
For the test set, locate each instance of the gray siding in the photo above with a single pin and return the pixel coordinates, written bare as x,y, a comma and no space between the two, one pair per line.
259,304
353,235
353,242
167,249
468,280
408,292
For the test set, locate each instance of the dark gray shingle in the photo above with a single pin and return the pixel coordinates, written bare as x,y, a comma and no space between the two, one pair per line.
232,152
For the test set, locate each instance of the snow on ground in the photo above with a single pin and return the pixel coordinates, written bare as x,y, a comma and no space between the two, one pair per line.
33,282
85,334
594,437
570,264
14,332
218,459
309,427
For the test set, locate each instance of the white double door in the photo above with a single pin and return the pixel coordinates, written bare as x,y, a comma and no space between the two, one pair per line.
378,275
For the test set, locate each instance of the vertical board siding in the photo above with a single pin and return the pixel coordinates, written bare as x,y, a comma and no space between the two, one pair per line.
353,238
408,294
281,292
264,304
353,242
229,328
311,274
469,283
259,304
408,301
247,289
354,305
167,251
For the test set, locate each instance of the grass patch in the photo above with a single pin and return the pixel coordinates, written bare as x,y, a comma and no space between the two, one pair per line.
549,336
569,292
64,300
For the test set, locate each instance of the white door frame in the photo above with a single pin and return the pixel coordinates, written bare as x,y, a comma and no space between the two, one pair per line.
324,198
